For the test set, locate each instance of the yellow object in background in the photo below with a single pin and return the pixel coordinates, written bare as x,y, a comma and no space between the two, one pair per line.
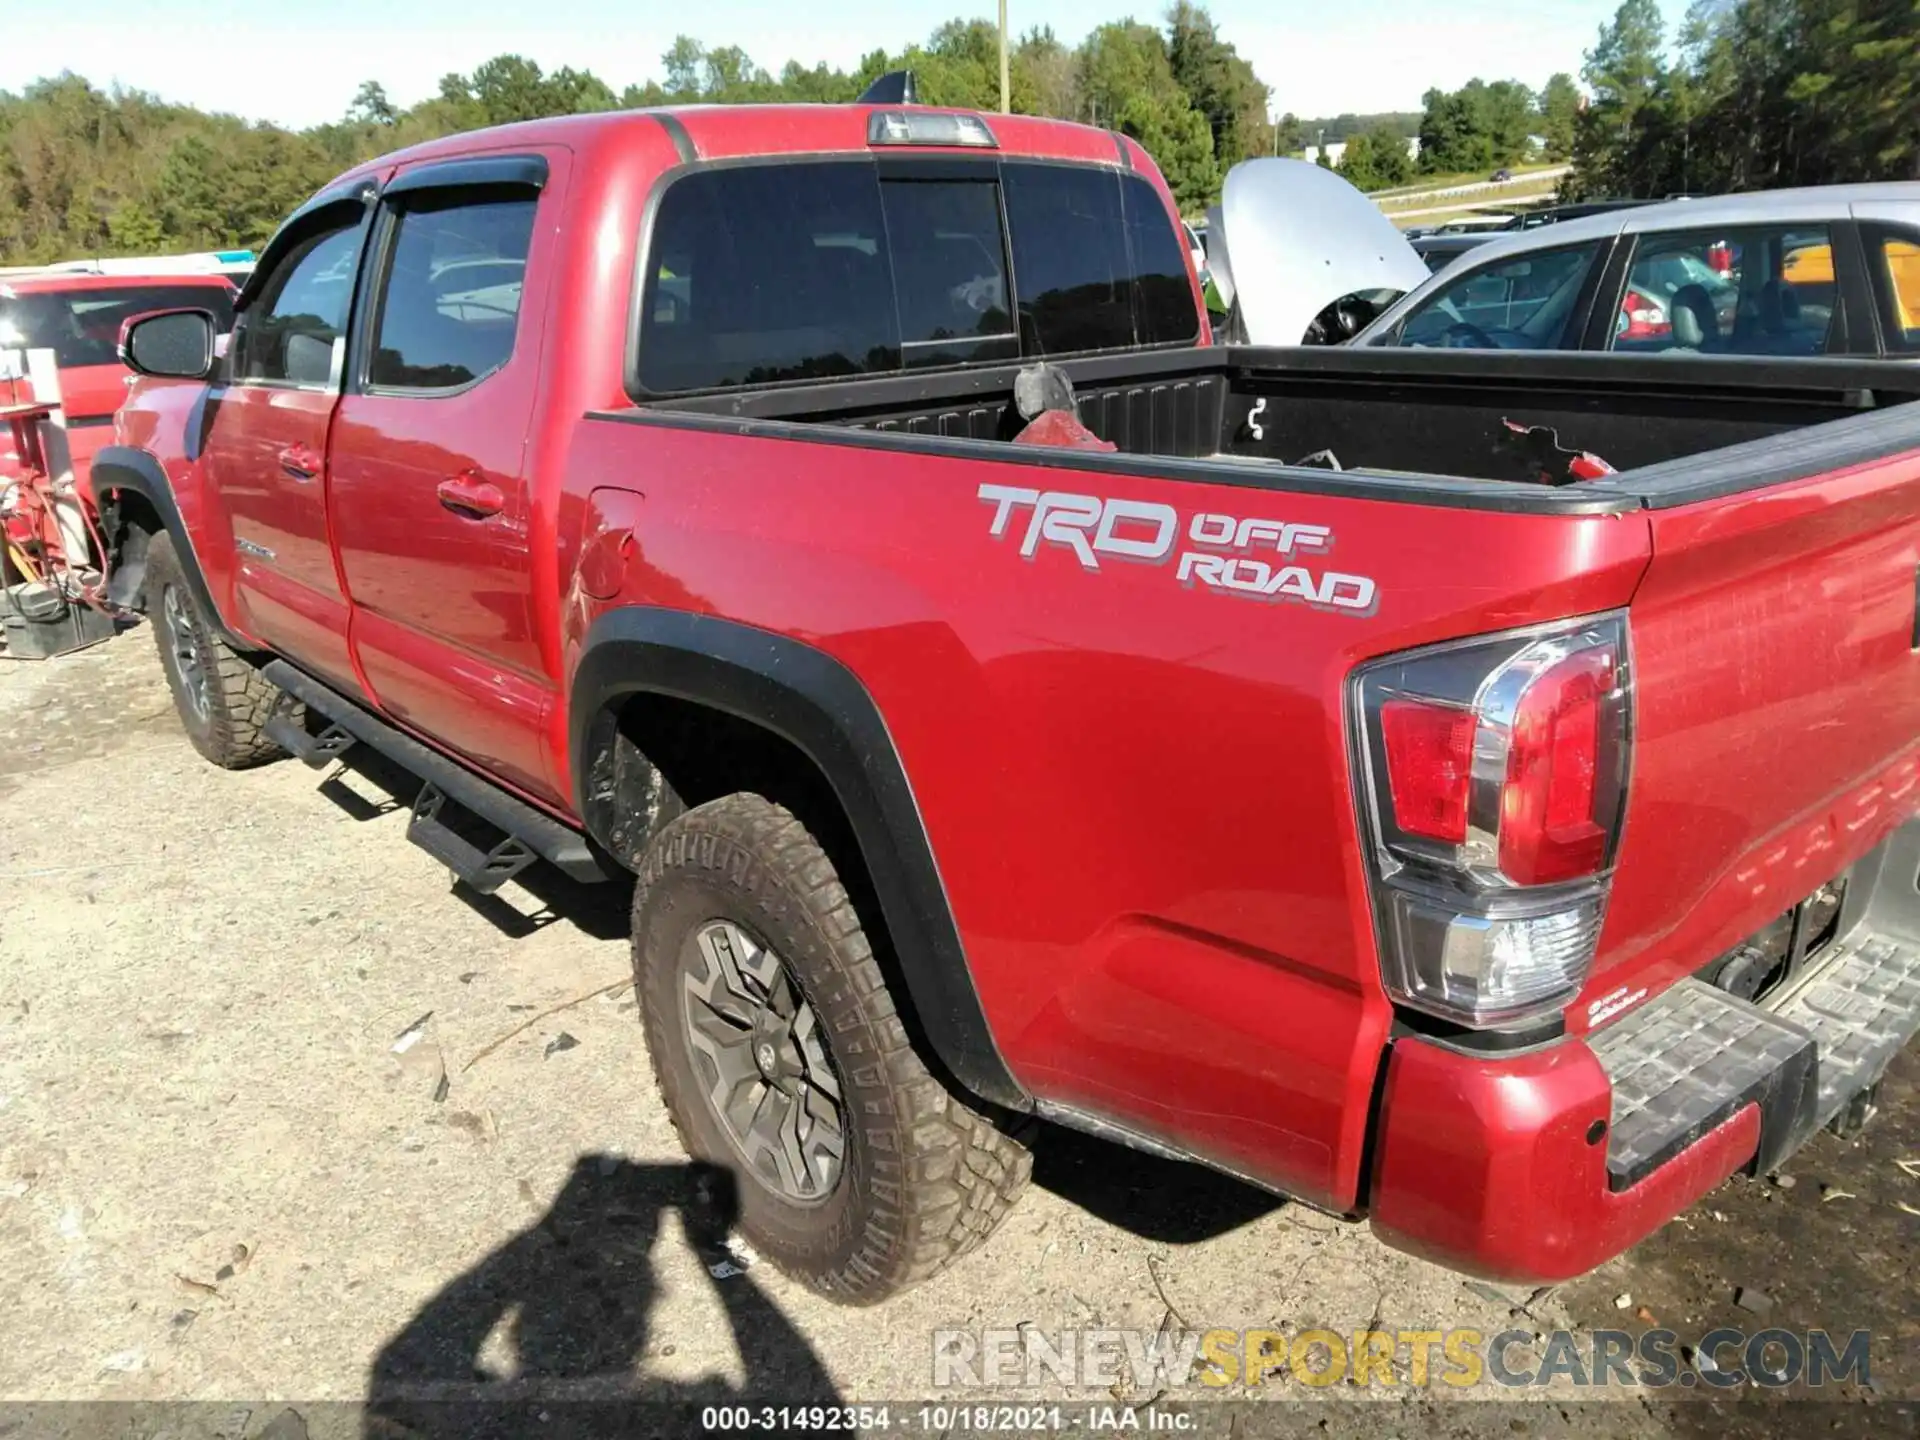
1902,259
1809,265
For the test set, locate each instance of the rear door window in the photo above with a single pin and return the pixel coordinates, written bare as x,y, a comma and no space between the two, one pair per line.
1894,261
82,327
1524,302
1750,291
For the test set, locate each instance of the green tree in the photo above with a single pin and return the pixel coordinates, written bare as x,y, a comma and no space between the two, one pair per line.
685,64
1130,87
1219,83
1044,76
1559,107
371,106
1376,160
1289,136
1624,70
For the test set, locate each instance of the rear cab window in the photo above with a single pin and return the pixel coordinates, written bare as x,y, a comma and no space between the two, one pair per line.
778,272
82,326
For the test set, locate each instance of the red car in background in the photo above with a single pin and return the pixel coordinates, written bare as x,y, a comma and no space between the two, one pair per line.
78,317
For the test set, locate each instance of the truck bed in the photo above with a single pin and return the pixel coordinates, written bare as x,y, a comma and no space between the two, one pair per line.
1414,422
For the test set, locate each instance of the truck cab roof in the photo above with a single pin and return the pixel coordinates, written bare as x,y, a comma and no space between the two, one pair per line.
726,132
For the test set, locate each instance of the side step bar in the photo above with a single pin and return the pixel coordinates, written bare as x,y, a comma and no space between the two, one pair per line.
529,832
482,870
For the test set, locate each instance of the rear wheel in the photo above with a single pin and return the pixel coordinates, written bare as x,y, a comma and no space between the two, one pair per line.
781,1056
223,701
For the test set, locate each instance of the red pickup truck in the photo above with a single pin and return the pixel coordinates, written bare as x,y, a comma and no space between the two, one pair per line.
1301,777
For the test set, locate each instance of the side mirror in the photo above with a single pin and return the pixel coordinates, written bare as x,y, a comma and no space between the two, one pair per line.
172,344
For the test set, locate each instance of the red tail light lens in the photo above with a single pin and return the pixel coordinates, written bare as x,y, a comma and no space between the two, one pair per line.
1549,829
1429,767
1493,780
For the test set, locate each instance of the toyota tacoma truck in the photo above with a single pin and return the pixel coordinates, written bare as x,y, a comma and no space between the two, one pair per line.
1011,705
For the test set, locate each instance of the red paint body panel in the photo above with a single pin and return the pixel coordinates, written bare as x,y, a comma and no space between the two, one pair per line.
443,598
1774,665
291,596
1137,792
1485,1164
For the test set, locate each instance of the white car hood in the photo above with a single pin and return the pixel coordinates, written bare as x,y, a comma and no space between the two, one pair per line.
1288,239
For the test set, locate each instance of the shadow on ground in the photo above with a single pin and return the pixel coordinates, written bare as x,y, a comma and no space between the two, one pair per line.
572,1296
1165,1201
599,911
1160,1200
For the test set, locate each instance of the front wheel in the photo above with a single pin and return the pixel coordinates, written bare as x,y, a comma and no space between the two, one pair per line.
781,1056
223,701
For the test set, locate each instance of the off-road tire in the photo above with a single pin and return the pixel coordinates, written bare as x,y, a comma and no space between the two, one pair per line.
925,1177
238,698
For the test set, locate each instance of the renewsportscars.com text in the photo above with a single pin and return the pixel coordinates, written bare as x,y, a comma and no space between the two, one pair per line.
1458,1358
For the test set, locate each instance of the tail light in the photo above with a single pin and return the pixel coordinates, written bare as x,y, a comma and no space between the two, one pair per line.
1642,317
1493,777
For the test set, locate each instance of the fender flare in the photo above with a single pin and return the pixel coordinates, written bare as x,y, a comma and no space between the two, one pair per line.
816,704
122,467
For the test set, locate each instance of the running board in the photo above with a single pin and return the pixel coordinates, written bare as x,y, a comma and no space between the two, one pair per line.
316,752
534,831
482,870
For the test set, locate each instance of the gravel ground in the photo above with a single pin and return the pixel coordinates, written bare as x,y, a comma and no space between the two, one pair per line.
228,1175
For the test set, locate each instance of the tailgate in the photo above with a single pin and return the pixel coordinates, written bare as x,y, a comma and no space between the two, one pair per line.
1776,656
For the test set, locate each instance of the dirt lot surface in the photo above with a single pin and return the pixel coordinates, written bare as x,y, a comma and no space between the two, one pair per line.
284,1115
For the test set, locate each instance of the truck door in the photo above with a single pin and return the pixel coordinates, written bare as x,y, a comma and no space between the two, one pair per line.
428,457
266,440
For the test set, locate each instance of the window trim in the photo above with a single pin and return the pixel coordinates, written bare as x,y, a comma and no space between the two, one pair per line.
312,222
921,166
310,216
380,253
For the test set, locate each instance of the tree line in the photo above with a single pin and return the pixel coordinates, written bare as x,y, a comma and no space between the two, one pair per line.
1473,130
1750,95
1745,95
90,172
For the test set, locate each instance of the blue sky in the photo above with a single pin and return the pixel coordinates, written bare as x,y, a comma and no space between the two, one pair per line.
300,61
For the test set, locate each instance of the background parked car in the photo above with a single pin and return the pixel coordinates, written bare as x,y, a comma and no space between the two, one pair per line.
78,316
1555,214
1826,271
1440,251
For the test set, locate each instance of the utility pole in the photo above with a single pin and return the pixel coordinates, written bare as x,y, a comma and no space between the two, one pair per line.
1006,90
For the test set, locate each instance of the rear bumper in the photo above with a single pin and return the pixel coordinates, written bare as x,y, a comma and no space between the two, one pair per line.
1541,1165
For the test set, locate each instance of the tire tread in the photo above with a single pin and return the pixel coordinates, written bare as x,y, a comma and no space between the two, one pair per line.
954,1174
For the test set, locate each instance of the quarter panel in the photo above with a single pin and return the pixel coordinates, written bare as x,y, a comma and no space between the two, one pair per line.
1134,789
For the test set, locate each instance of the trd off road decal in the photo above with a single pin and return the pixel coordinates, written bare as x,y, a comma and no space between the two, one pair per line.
1254,559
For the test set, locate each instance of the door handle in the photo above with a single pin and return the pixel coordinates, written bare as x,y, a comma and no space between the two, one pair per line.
300,462
472,498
